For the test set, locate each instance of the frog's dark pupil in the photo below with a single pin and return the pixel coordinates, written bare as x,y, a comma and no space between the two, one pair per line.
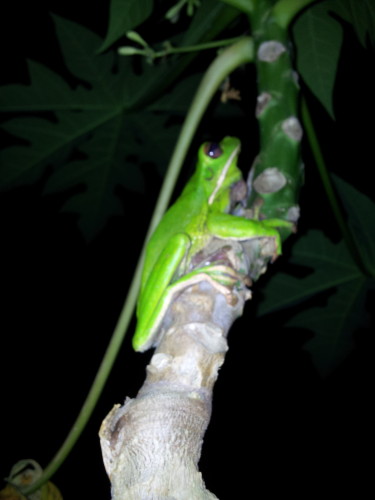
213,150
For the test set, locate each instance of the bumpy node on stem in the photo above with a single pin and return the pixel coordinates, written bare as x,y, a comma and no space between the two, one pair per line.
292,128
270,51
269,181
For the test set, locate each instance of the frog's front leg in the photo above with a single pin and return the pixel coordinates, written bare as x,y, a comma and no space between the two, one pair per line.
234,227
152,296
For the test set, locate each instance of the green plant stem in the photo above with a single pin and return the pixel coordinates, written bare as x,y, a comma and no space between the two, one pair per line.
280,132
201,46
246,6
328,187
97,386
170,50
286,10
221,67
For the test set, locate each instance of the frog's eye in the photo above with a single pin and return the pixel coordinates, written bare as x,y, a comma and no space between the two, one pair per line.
213,150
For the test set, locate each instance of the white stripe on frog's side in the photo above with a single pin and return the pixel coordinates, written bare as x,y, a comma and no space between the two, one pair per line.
223,174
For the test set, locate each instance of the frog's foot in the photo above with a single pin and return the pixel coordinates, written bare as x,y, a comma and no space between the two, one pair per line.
273,226
222,278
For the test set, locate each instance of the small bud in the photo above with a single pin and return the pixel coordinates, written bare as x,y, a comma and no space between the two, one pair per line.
136,37
129,51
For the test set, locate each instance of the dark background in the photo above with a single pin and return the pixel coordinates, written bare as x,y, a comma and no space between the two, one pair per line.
277,426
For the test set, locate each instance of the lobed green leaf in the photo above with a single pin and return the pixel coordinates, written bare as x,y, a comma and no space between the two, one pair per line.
318,38
360,14
125,15
333,271
361,215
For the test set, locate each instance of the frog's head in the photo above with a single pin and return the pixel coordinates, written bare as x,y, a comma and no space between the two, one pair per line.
217,165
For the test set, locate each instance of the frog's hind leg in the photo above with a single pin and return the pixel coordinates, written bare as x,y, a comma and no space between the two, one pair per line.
161,276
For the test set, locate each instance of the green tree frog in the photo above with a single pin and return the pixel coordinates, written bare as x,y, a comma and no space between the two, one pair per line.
202,212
